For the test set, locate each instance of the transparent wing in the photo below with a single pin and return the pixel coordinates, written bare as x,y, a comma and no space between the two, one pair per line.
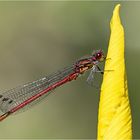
91,76
94,77
16,96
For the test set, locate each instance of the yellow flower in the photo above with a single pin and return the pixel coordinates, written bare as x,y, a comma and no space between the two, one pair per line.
114,120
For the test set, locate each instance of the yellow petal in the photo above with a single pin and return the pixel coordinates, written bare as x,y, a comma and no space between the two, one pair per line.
114,119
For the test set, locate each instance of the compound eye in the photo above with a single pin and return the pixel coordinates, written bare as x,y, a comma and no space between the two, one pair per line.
98,56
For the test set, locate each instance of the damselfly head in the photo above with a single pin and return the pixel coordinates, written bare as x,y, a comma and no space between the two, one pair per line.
98,55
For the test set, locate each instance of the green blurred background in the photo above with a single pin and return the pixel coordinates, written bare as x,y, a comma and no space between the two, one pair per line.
38,38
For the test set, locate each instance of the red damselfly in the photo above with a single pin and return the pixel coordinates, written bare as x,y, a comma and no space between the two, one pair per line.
29,94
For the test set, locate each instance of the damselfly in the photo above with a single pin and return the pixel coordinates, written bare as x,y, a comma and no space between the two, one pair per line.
29,94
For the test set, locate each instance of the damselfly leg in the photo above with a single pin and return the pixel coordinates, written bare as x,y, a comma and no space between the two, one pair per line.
93,74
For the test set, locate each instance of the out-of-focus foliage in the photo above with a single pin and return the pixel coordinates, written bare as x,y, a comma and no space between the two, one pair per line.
37,38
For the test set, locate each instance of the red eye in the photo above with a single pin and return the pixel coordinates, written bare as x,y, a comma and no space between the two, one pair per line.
98,55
